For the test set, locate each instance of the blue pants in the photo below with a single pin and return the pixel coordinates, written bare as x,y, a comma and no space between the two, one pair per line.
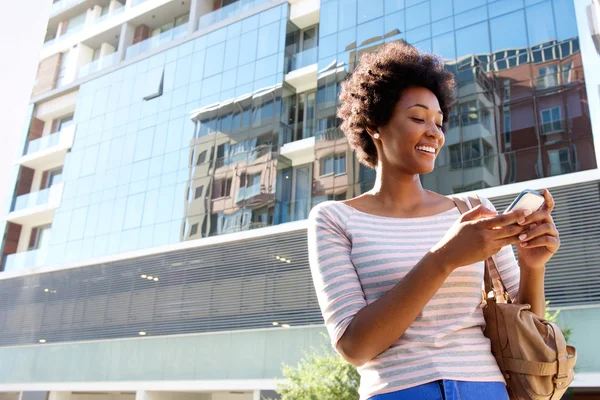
449,390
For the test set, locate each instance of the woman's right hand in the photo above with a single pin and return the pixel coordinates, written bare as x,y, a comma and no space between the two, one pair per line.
477,235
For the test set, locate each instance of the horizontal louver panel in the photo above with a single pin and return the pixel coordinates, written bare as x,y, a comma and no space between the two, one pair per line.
573,274
242,285
229,286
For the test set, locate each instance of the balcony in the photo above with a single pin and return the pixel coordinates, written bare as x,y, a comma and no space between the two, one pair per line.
109,15
65,35
101,63
156,41
62,5
301,59
301,69
232,10
246,193
25,260
36,208
49,149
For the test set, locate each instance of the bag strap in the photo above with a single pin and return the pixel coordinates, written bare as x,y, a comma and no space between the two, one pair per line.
495,286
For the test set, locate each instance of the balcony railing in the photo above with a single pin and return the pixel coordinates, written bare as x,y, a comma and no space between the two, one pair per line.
97,65
157,41
301,60
63,5
25,260
232,10
109,15
31,200
245,193
42,143
46,142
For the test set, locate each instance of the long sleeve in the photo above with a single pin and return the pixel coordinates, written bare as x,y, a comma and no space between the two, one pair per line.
506,262
336,282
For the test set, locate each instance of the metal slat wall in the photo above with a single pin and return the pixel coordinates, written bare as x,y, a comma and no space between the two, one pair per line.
573,274
242,285
229,286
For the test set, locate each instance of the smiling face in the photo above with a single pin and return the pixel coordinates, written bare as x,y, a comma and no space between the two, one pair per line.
413,137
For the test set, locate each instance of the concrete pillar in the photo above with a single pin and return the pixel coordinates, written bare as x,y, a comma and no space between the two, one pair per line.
78,56
125,39
92,15
62,28
197,9
24,238
106,49
113,5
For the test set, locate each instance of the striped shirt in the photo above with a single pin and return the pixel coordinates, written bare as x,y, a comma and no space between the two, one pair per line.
356,257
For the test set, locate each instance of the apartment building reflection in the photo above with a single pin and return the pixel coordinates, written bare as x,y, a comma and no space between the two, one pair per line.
234,172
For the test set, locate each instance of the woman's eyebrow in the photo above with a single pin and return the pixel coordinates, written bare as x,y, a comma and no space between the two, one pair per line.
423,106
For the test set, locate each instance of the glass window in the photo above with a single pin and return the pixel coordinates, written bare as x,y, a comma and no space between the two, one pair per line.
473,40
369,9
393,5
340,164
470,17
418,16
540,23
502,7
440,9
248,45
216,57
444,46
560,162
266,37
328,20
198,192
370,32
566,23
508,31
394,23
442,26
347,14
464,5
547,77
326,165
551,120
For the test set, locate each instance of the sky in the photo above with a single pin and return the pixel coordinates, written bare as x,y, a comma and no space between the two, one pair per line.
21,35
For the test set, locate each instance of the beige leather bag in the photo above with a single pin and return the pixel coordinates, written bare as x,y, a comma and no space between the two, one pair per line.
531,352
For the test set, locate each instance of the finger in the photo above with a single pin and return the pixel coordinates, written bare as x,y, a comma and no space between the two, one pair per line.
549,200
476,213
540,216
508,231
543,229
503,219
552,243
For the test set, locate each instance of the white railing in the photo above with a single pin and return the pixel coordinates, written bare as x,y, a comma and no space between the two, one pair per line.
63,5
31,199
301,59
229,11
97,65
25,260
156,41
42,143
111,14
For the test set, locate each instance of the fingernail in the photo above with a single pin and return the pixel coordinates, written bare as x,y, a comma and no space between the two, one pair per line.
521,221
524,244
522,236
526,213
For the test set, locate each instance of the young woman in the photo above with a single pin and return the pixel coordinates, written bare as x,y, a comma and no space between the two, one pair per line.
398,270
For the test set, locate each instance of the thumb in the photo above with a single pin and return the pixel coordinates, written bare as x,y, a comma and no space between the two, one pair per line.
478,212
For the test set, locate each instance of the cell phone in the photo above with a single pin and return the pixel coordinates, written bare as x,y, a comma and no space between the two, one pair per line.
528,199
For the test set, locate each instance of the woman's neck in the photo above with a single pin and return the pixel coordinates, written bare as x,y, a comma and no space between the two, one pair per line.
398,191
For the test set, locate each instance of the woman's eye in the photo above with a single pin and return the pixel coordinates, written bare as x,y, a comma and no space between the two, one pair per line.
440,126
418,119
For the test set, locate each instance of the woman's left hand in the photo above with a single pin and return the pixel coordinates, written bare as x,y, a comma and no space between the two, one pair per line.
541,241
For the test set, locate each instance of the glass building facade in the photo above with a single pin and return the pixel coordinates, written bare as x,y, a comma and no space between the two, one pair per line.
187,143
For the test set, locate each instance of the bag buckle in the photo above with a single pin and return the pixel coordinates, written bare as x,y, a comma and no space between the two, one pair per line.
560,381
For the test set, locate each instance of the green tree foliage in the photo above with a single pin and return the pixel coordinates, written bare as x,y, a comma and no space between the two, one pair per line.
322,374
551,315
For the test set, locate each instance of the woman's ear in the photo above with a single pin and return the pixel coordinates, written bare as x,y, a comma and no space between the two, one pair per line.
373,133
